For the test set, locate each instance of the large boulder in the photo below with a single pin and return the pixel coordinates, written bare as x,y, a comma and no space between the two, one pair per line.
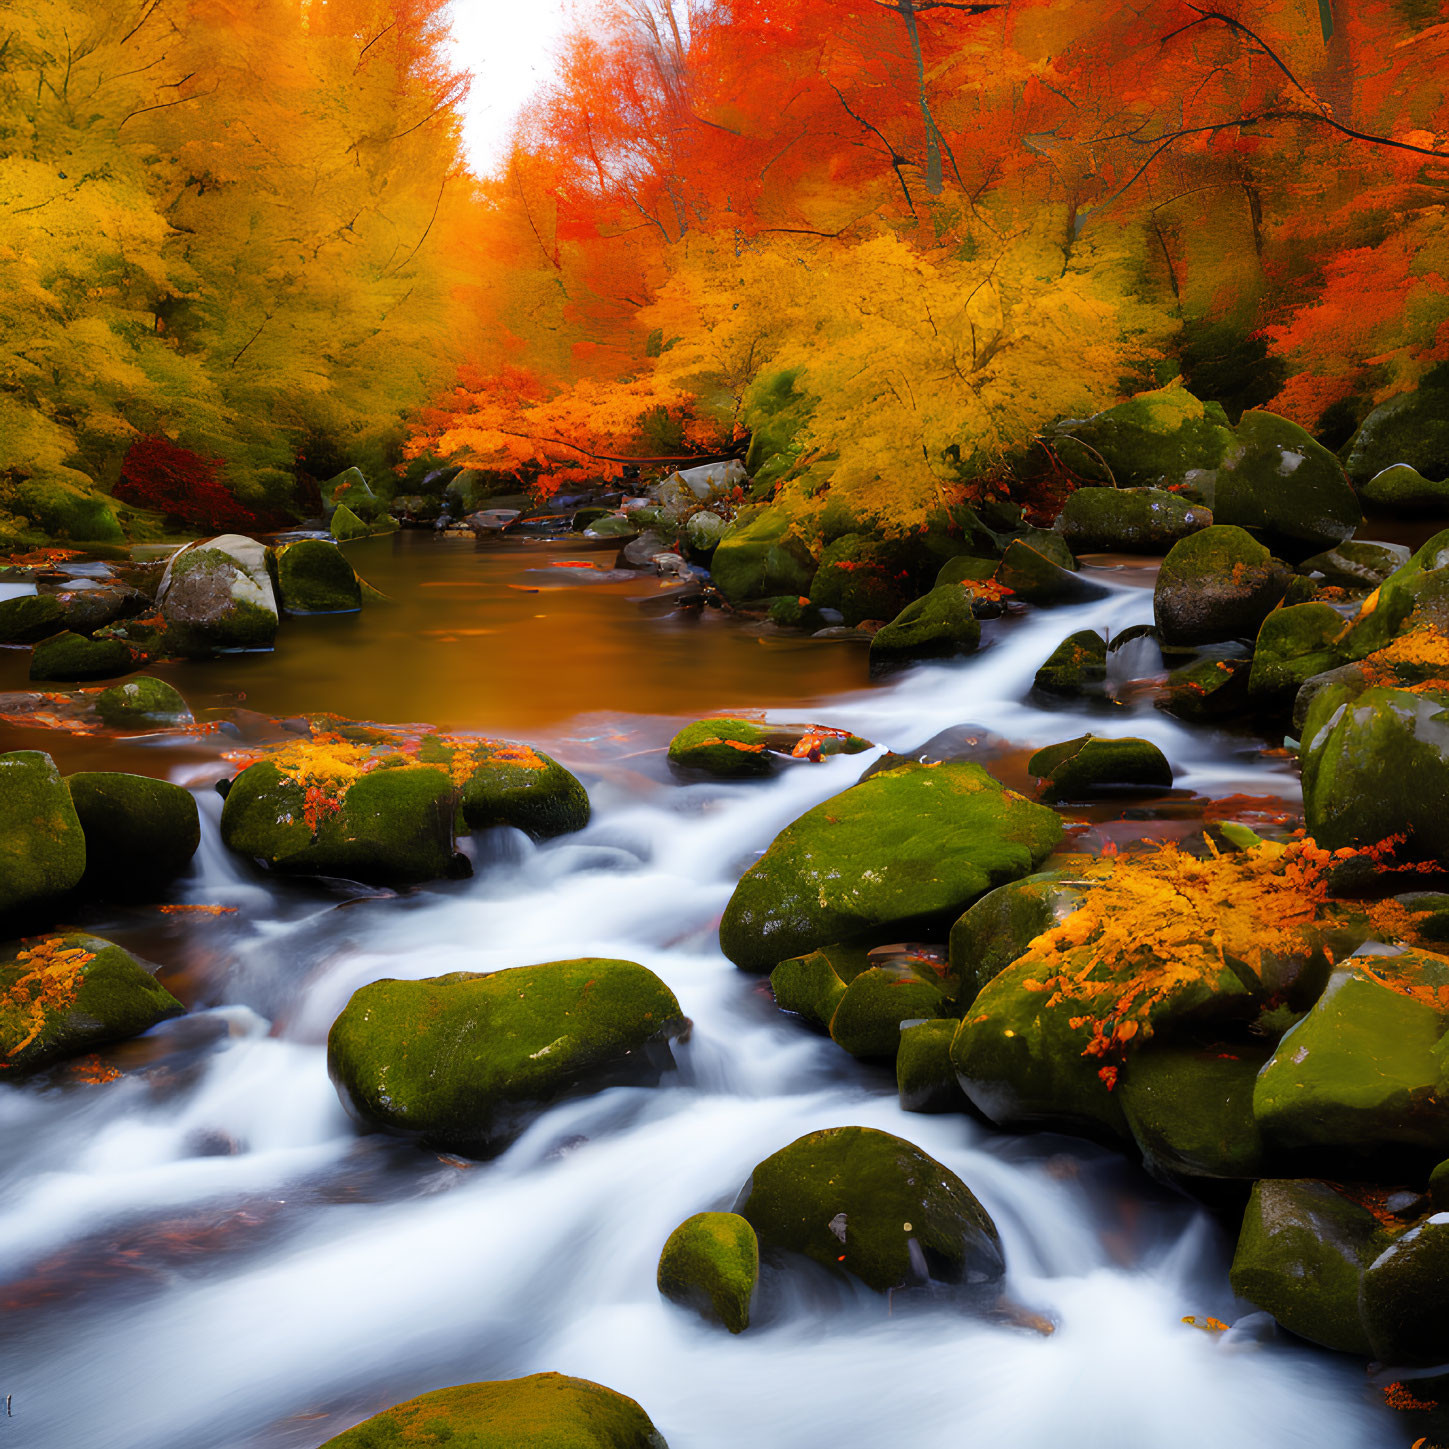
1416,595
1401,1301
217,596
466,1061
516,785
873,1206
30,618
1129,520
1095,764
544,1411
73,658
1030,574
761,556
42,845
1404,490
350,489
1412,428
707,483
140,833
877,1002
711,1263
61,996
1294,644
314,577
911,845
863,577
1218,584
939,625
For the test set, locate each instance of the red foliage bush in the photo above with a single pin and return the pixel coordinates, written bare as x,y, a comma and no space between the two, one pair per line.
159,475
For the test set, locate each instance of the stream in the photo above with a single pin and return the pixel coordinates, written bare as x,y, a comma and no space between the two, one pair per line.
199,1251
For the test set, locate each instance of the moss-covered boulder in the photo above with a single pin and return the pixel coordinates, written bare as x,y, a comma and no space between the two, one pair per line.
868,1017
1301,1255
911,845
1404,490
1190,1109
863,577
939,625
346,526
1376,769
30,618
64,511
42,845
1416,594
1129,520
314,577
517,785
1076,667
812,985
724,749
217,596
73,657
63,995
142,703
311,812
711,1263
1412,429
1402,1298
874,1206
1034,578
1293,645
140,833
1094,764
1288,489
1218,584
1212,687
543,1411
763,555
1358,1082
925,1079
466,1061
350,489
966,569
1357,563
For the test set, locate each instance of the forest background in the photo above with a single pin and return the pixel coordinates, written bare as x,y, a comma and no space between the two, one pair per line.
881,243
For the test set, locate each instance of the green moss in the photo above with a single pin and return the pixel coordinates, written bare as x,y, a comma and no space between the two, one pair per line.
863,577
867,1019
705,747
140,832
1402,1299
791,612
1411,429
1218,584
519,786
925,1079
762,556
218,597
1301,1256
346,525
1089,765
1419,587
350,489
940,625
394,826
966,567
909,845
42,846
73,657
543,1411
58,1007
1033,578
30,618
314,577
1293,645
859,1201
711,1263
142,703
465,1061
1402,489
67,512
813,984
1129,520
1077,666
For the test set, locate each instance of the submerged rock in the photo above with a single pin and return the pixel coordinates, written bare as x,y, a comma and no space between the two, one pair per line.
30,618
1218,584
140,833
73,658
63,995
42,845
939,625
711,1263
547,1411
1091,764
1077,666
873,1206
217,596
1129,520
465,1061
142,703
912,844
314,577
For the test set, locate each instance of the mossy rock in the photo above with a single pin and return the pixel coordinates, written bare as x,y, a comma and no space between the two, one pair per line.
30,618
393,826
63,511
711,1263
1076,667
863,577
88,611
966,568
616,526
1190,1110
868,1017
73,657
1293,645
791,612
351,490
314,577
1301,1255
1404,490
519,786
761,556
466,1061
1093,764
875,1207
909,846
543,1411
724,749
703,532
1376,768
346,526
1282,485
1218,584
64,995
1357,563
925,1079
142,703
1417,590
42,845
1411,429
1358,1082
140,833
1209,688
1129,520
1402,1298
939,625
812,985
216,596
1034,578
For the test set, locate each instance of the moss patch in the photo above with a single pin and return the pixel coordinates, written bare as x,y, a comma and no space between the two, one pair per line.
711,1263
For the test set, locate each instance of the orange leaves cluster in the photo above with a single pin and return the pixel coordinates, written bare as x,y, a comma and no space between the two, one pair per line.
49,981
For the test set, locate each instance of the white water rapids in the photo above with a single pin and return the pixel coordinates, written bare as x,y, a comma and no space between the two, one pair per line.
345,1273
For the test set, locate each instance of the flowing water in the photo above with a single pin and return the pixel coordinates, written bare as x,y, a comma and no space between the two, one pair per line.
203,1253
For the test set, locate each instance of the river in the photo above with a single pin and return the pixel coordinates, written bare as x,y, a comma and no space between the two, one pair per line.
202,1253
